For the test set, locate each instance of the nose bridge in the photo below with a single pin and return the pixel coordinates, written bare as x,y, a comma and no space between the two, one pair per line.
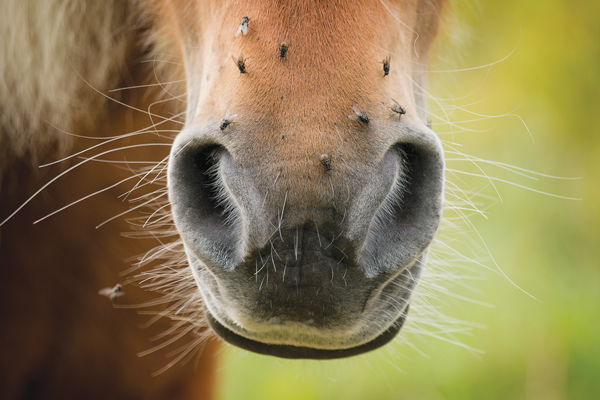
292,110
327,67
297,182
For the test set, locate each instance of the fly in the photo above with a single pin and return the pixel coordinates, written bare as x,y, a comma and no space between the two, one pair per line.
113,292
325,161
227,120
358,115
243,28
240,63
283,48
398,109
386,66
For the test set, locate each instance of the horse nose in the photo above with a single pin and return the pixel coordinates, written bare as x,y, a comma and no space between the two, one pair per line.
387,210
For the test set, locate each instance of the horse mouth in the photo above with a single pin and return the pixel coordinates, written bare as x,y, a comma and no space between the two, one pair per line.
297,352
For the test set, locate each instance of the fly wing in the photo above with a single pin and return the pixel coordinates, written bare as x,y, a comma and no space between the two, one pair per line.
395,103
113,297
353,117
105,292
226,114
234,61
387,59
239,29
244,29
356,110
232,117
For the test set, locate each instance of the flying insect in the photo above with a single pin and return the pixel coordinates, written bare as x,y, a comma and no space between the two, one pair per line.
240,63
243,28
112,293
386,66
283,48
358,115
227,120
325,161
397,108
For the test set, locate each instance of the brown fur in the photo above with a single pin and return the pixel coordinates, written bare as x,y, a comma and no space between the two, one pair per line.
59,338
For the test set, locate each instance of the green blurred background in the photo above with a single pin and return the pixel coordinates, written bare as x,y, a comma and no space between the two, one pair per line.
516,347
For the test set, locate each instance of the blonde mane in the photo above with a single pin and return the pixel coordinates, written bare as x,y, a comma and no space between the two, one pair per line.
51,62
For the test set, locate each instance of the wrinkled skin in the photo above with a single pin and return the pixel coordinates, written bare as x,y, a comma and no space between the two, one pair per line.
293,260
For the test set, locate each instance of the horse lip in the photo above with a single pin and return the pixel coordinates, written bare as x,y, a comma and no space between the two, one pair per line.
294,352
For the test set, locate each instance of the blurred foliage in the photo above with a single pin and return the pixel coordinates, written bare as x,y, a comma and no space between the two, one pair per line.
549,246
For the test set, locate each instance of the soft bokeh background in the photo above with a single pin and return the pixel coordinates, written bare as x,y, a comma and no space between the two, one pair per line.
518,347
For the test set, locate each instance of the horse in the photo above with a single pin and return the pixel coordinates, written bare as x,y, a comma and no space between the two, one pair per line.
290,205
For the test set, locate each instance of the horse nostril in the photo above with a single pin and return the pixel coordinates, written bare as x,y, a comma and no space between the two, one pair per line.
410,215
419,190
213,193
203,182
204,211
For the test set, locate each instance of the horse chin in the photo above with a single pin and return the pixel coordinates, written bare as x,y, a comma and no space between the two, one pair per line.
313,314
301,352
305,333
